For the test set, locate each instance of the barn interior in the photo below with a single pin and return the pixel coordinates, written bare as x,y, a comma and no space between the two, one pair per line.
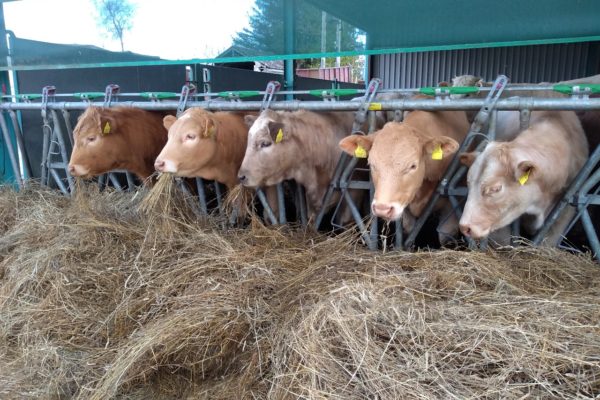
111,289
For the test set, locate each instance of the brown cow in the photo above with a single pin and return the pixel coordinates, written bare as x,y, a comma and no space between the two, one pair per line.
204,144
299,145
524,176
407,160
116,138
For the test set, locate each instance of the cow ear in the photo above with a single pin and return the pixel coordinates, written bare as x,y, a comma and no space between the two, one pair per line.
168,121
277,131
468,158
108,125
249,119
440,147
525,171
357,145
210,130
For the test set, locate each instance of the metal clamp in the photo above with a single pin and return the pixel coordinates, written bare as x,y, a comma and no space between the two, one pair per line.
48,93
489,103
272,88
361,114
188,90
206,82
111,91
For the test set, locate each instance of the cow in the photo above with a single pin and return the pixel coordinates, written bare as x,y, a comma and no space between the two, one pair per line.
300,145
407,160
525,175
117,138
204,144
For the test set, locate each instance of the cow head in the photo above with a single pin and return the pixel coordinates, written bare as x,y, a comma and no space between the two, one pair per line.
191,142
98,145
503,185
399,158
269,152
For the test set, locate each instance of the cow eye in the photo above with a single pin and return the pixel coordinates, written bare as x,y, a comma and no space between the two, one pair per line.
490,190
190,136
264,144
91,139
413,167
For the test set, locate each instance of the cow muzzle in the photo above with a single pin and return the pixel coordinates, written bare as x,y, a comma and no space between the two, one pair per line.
165,166
388,211
473,231
78,170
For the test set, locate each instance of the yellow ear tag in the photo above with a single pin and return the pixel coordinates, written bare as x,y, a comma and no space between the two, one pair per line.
360,152
212,131
106,129
524,178
279,136
437,153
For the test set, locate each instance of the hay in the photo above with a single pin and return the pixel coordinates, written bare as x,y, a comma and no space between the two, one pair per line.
113,295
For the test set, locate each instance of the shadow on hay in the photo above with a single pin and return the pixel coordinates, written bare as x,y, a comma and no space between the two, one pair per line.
133,295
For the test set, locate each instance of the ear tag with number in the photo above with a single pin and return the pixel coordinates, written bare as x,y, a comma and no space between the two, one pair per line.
279,136
437,153
106,129
524,178
360,152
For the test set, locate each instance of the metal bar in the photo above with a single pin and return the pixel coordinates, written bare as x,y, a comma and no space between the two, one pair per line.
364,232
590,231
67,117
63,150
513,103
571,191
483,89
113,179
268,210
130,181
201,195
11,150
399,238
332,186
21,144
374,232
301,204
219,195
46,131
58,181
281,203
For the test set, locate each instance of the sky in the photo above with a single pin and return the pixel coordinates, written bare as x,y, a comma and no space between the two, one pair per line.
170,29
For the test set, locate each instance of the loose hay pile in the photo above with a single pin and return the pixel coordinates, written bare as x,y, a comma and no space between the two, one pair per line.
104,296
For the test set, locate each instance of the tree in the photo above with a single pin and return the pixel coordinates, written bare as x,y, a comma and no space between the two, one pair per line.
265,34
115,17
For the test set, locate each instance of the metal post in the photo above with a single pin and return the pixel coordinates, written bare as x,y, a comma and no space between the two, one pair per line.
289,31
201,195
21,144
11,150
571,191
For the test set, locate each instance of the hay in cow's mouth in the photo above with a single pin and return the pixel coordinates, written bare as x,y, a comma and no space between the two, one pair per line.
98,301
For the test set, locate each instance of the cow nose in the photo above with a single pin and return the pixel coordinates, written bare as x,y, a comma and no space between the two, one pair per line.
465,229
71,169
383,210
242,178
159,165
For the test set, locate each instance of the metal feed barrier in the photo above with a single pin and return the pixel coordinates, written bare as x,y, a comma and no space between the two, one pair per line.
583,192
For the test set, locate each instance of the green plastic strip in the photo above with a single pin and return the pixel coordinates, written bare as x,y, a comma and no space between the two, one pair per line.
29,97
89,95
333,92
431,91
568,89
159,95
240,93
